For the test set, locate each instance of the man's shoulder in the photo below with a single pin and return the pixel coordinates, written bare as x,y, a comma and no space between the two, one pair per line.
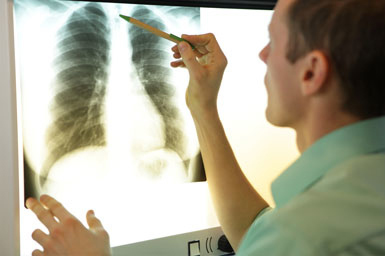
347,205
343,210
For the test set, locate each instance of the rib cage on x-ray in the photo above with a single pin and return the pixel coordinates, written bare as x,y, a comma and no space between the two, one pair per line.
148,57
80,84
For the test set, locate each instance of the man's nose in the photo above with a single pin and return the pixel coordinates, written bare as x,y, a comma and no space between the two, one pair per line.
264,53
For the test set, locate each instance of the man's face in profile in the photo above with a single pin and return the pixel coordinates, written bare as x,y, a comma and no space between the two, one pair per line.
282,77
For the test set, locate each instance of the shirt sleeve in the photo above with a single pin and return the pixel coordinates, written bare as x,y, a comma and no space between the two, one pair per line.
267,209
268,236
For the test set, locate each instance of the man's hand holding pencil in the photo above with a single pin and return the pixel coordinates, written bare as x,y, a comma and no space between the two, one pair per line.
206,65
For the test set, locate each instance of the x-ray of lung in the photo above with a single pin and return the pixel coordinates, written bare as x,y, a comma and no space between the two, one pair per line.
100,102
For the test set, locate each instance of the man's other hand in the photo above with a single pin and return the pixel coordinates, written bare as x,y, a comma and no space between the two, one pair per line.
67,235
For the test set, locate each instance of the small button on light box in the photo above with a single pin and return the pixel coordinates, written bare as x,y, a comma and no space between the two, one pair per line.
194,248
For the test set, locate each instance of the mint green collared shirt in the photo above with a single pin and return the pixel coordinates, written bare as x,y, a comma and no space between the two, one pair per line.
331,201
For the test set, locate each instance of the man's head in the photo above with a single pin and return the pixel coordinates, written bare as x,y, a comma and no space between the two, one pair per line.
317,43
351,33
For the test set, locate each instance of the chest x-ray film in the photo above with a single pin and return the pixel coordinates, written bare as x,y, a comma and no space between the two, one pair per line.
103,115
99,99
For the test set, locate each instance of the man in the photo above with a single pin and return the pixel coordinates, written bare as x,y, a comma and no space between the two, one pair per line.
324,79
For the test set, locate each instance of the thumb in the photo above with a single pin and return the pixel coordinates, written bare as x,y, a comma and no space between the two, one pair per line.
93,222
189,58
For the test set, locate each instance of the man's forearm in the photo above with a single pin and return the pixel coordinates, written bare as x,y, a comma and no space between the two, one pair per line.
235,200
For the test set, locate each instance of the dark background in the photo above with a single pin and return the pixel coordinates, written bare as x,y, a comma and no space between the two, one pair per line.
242,4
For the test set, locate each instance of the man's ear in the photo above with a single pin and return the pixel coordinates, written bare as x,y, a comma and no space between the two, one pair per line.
314,73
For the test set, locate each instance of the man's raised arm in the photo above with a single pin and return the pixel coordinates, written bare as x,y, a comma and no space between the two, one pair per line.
235,200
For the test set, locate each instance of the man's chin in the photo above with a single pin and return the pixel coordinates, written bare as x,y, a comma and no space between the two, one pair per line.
275,120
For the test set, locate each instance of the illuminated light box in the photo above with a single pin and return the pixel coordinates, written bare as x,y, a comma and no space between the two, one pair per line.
102,121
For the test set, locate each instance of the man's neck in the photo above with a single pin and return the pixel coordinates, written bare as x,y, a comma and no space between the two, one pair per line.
320,124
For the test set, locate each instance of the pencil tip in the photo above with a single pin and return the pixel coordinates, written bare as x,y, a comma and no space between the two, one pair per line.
124,17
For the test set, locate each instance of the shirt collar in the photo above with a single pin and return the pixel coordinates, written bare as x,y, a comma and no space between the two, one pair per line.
360,138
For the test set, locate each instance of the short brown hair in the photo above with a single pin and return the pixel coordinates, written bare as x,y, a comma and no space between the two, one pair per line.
352,34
